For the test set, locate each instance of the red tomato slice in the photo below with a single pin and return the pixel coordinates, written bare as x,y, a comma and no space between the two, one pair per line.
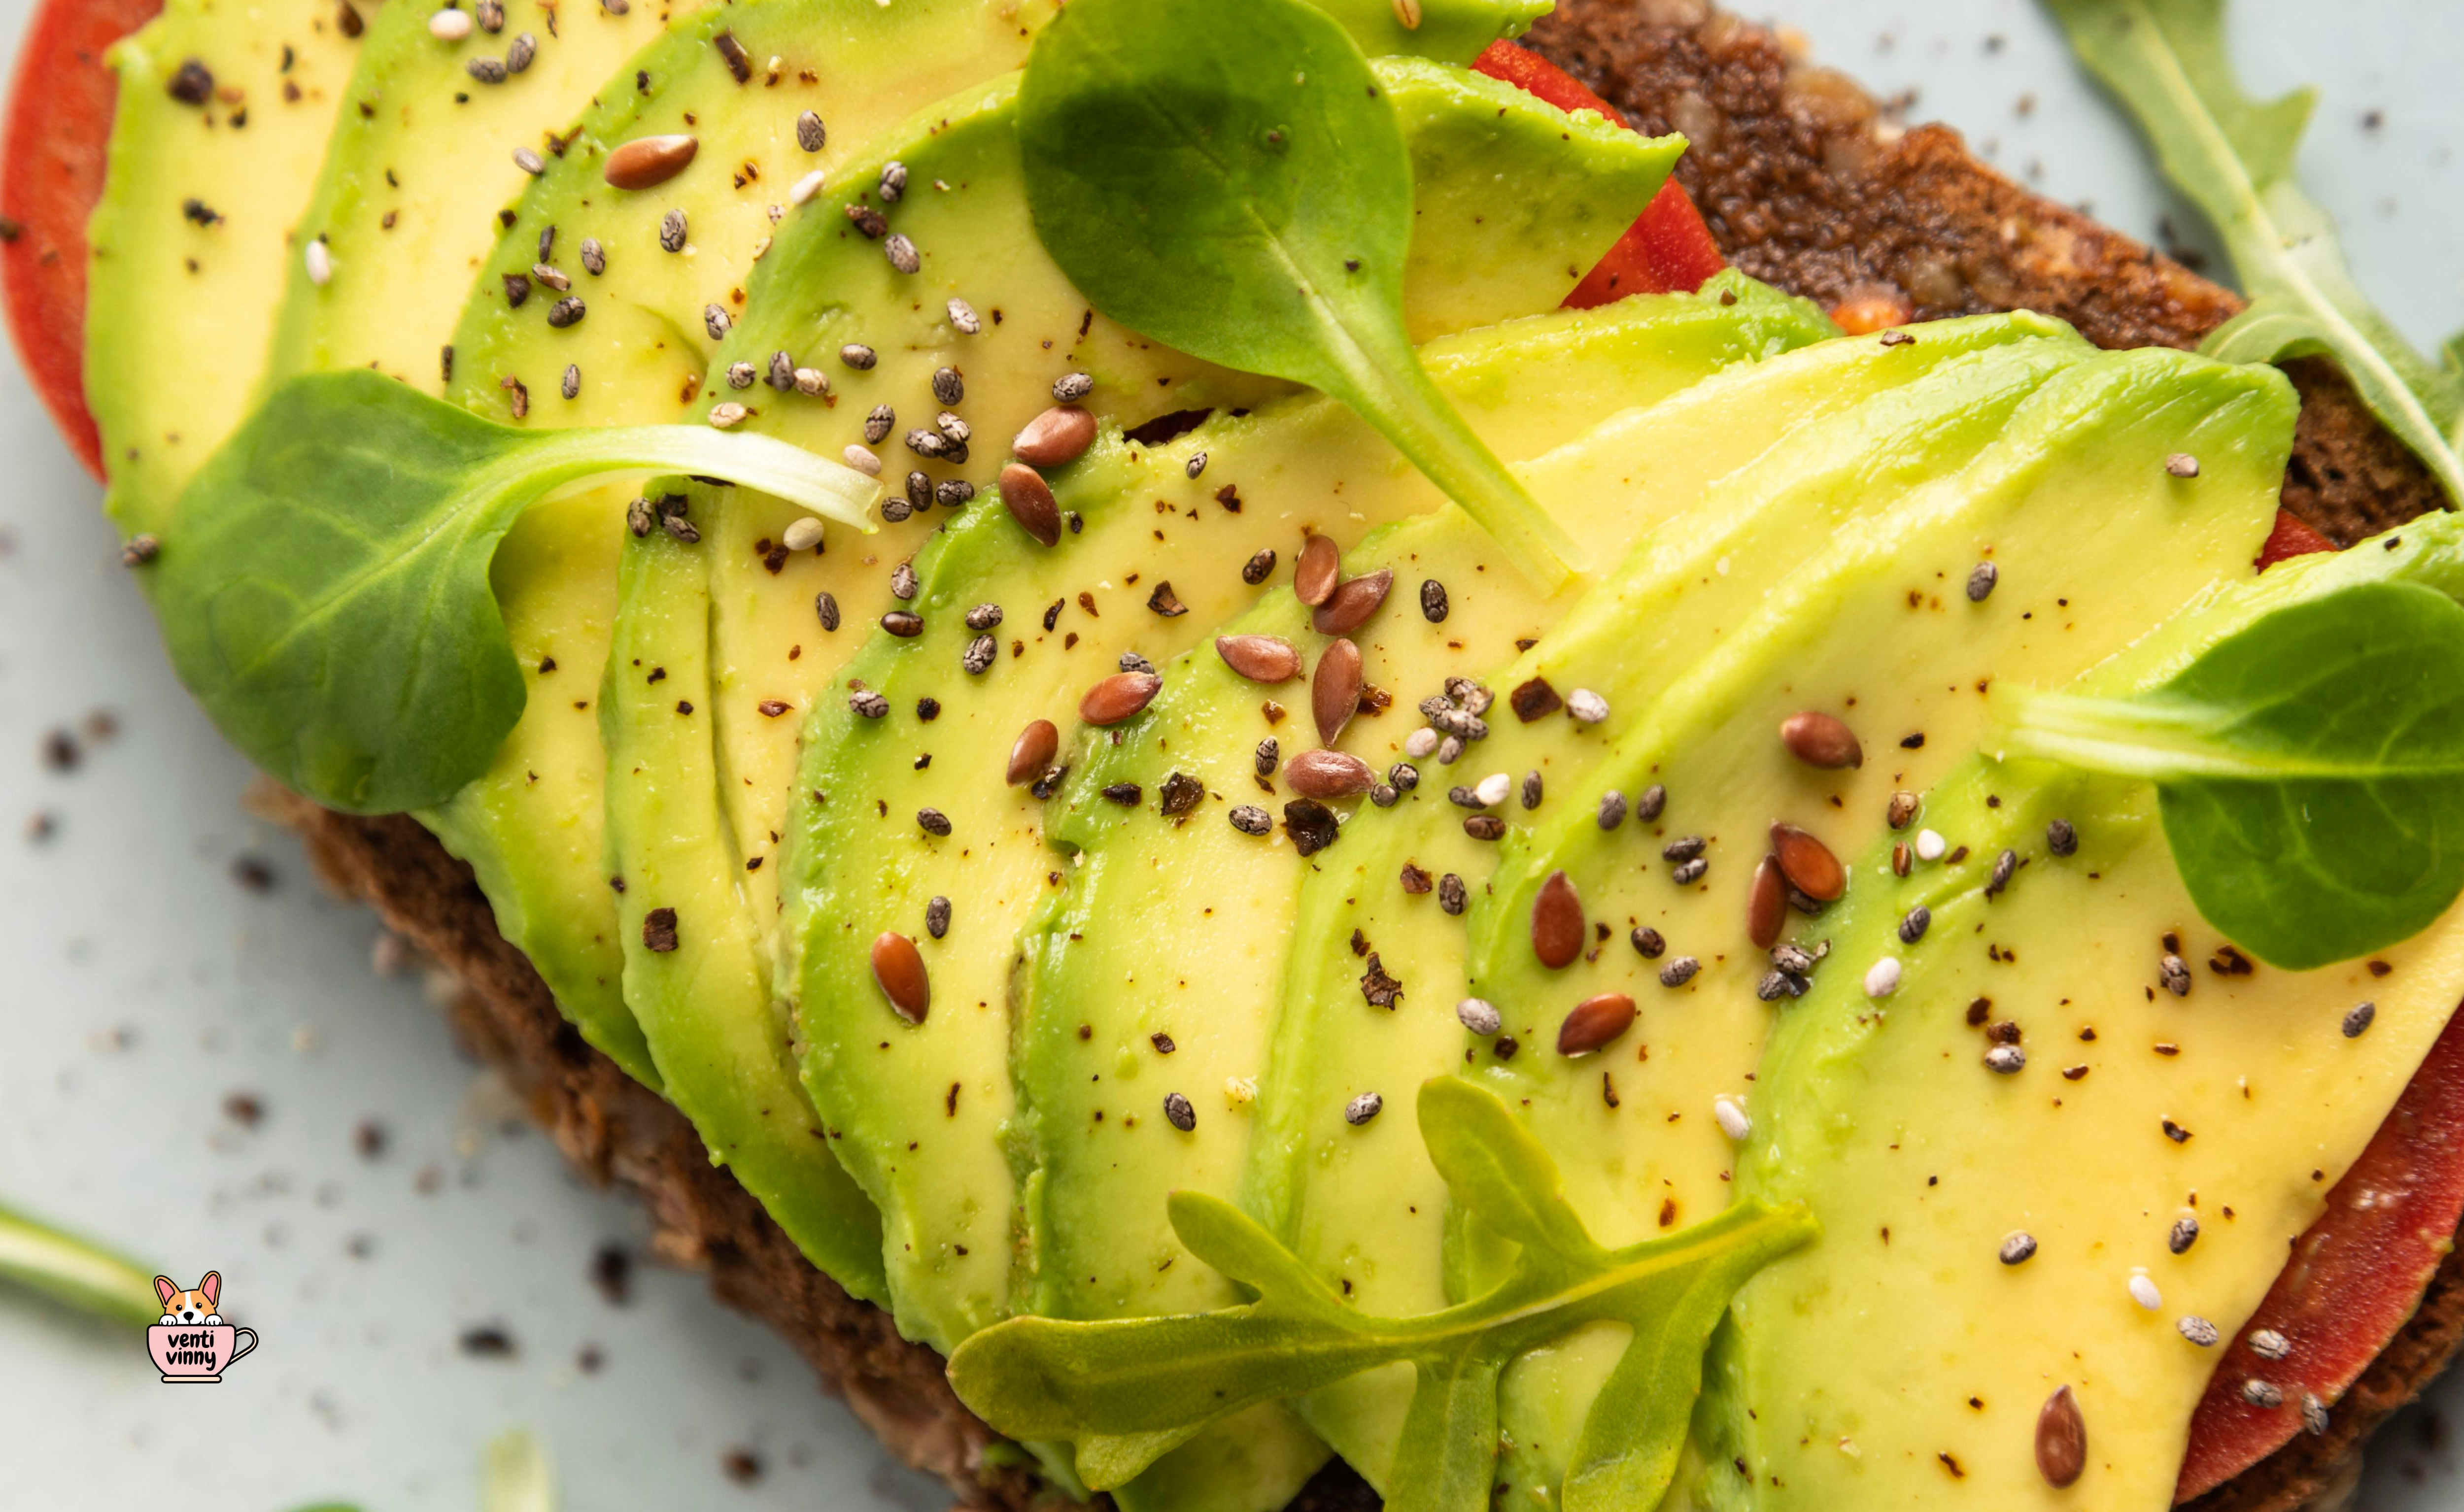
59,128
1668,249
2290,537
2354,1279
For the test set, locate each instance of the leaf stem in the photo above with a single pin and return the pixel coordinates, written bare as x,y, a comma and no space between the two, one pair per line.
74,1271
831,489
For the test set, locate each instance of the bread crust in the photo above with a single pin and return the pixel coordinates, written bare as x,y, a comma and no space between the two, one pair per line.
1807,184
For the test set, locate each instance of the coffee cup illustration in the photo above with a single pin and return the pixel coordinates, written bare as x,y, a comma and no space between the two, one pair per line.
192,1344
191,1354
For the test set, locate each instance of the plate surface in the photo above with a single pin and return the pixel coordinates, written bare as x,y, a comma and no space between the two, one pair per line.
189,1059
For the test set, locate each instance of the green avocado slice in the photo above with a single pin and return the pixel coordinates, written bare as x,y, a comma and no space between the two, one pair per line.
858,861
695,958
417,167
531,826
1788,443
2067,501
1168,936
191,241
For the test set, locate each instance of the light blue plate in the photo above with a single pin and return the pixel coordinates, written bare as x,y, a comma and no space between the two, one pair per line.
141,986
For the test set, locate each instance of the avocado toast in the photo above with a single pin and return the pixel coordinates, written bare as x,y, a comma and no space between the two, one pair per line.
1213,1106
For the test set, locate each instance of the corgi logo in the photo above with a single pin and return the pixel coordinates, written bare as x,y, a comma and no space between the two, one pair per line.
191,1344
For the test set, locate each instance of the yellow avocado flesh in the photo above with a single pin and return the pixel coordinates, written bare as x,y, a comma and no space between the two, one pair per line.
693,954
531,826
167,285
1858,1358
416,168
826,285
1781,442
861,864
1883,595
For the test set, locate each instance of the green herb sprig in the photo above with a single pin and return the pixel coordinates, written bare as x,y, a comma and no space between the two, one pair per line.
1127,1392
325,592
1231,180
75,1271
2234,157
2309,769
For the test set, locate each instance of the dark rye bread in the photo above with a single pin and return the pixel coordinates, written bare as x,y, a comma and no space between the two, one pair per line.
1807,184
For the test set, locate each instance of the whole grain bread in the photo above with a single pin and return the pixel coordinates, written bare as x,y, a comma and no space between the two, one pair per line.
1807,183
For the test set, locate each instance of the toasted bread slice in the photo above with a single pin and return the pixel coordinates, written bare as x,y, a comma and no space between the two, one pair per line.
1807,183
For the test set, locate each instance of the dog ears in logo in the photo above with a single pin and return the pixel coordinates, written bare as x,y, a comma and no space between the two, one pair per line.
212,1287
165,1288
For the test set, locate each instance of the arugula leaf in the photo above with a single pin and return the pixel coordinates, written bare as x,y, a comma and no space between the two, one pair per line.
2309,769
2234,157
1127,1390
75,1271
1231,180
325,593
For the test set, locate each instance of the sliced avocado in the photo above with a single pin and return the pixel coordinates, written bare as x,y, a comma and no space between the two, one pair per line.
1749,467
416,171
2267,1098
530,827
2069,501
695,961
888,883
191,240
1168,938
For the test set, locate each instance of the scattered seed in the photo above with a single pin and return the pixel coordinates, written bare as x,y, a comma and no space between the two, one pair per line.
1071,387
1313,574
859,357
1532,789
2313,1414
1557,924
2261,1394
1352,603
647,162
671,231
2061,1440
1730,1113
1493,789
963,316
893,183
826,606
485,70
319,261
867,703
2198,1330
1648,942
1178,1112
937,917
1121,696
1453,897
1648,804
1595,1023
519,56
2143,1292
901,253
1883,977
2357,1020
810,133
2175,974
1612,810
1404,776
1807,863
1056,437
953,492
1362,1108
1902,811
1033,752
450,26
1819,740
1679,972
2182,465
192,83
1259,658
864,459
594,256
1930,845
1484,826
1030,502
2006,1060
933,822
728,415
2267,1344
1586,706
898,969
1981,581
139,549
1450,750
803,533
1914,923
1434,604
2018,1248
740,375
2060,838
1335,689
1328,774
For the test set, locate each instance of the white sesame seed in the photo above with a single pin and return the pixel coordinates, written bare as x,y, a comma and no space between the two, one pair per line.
1586,706
962,316
450,26
864,460
1493,789
321,262
803,533
1730,1115
727,415
1883,977
1930,845
1479,1016
811,381
1420,743
2143,1292
806,187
